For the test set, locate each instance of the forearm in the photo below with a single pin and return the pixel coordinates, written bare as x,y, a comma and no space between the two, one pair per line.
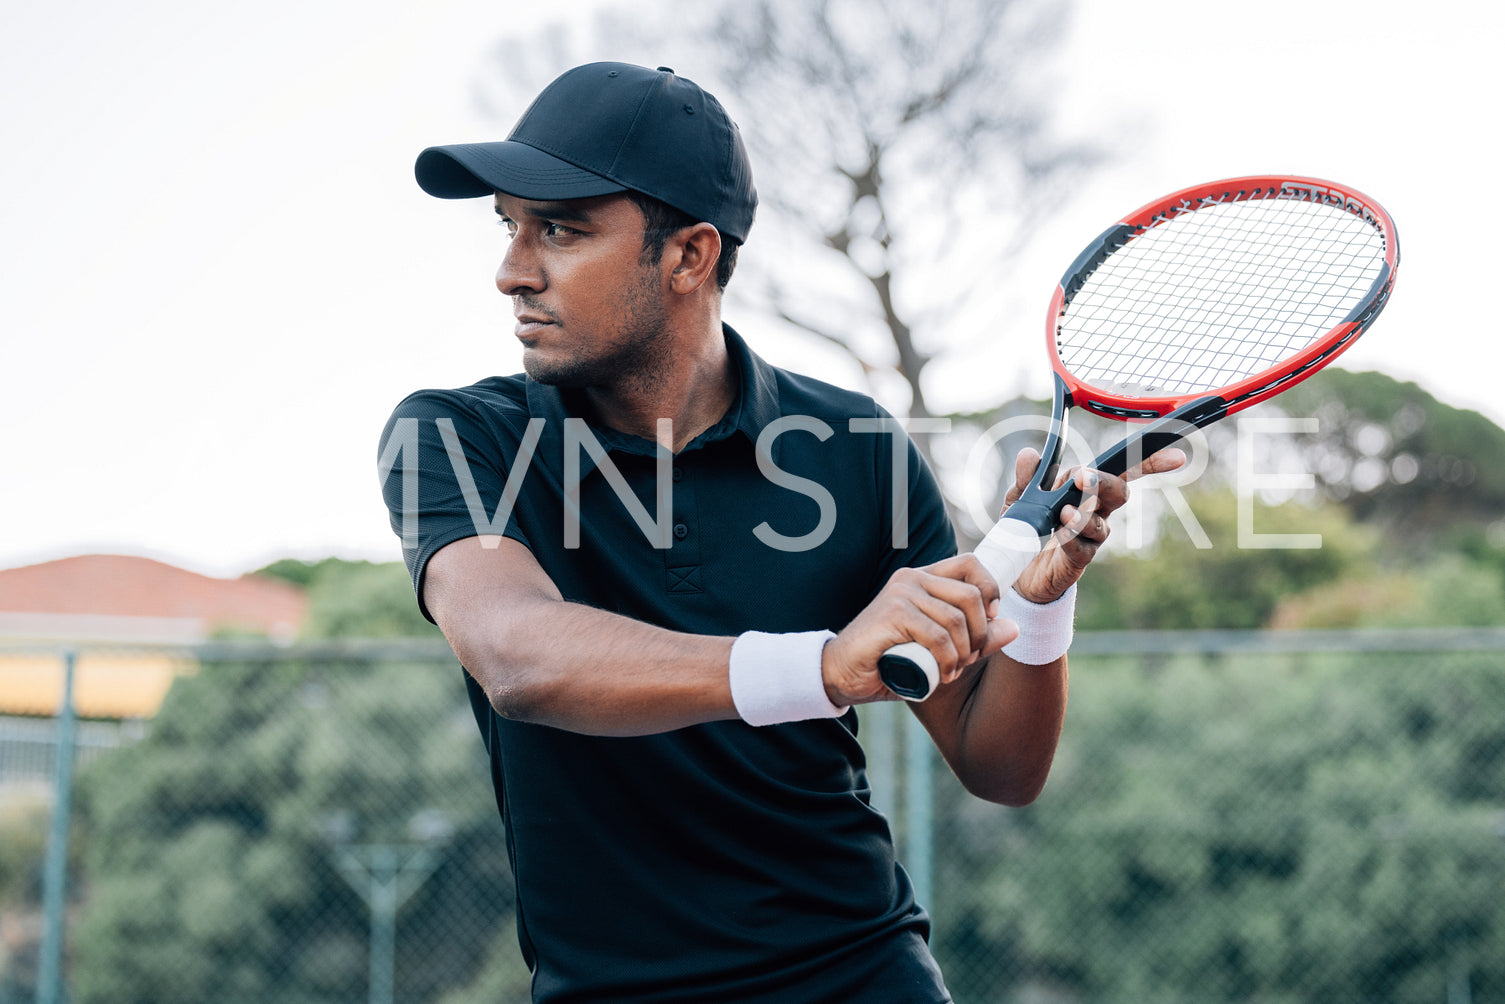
552,662
998,727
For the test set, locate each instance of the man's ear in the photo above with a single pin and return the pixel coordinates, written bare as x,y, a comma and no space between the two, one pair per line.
692,254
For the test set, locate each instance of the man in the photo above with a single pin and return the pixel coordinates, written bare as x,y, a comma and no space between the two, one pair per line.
639,551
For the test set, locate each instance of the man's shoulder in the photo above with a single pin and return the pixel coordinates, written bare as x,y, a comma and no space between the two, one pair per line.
801,394
495,397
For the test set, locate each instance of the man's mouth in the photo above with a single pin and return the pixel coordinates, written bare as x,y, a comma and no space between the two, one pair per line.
530,324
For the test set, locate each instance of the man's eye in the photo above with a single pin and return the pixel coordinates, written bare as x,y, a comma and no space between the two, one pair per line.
557,230
510,227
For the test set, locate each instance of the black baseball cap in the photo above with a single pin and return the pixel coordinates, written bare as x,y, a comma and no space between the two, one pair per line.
611,127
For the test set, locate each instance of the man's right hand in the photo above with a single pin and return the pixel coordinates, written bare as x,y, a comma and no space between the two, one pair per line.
946,607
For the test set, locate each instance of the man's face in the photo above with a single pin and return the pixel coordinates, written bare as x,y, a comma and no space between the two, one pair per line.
590,311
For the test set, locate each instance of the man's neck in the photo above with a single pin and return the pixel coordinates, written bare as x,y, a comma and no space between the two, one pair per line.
694,393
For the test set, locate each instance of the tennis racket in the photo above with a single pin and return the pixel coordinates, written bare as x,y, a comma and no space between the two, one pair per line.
1194,307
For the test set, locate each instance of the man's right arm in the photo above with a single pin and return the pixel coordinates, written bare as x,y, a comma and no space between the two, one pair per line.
542,659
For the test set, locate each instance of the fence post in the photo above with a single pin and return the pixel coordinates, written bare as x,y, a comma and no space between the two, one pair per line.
879,742
55,865
385,876
919,810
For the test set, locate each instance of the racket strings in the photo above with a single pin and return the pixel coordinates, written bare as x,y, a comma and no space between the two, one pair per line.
1210,317
1212,296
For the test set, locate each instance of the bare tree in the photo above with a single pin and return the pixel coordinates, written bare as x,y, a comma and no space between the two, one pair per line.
902,154
907,140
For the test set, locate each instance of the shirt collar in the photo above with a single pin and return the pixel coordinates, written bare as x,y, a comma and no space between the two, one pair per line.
756,405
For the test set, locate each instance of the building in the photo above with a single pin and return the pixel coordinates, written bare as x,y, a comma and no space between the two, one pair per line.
130,617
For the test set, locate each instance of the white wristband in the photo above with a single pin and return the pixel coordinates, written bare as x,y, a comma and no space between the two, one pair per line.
776,677
1045,629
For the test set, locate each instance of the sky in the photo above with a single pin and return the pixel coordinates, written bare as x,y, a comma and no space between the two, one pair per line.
217,276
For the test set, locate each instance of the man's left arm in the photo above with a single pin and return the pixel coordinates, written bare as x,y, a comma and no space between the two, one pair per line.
998,723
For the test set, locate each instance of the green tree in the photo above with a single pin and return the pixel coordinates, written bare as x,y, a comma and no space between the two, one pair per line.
299,572
1448,589
1178,584
23,841
355,599
211,847
1397,457
1247,828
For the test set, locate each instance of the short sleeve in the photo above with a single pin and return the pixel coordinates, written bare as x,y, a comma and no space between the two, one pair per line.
442,463
930,536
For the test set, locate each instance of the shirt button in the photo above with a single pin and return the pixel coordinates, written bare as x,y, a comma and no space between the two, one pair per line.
679,474
681,531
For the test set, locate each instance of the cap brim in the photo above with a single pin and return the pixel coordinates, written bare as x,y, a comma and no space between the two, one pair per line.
471,170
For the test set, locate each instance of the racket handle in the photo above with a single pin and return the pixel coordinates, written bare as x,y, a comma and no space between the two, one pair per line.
908,669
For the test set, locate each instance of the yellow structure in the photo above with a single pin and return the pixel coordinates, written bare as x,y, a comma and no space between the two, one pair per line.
130,620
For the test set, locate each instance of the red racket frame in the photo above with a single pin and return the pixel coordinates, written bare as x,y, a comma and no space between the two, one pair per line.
1253,389
911,671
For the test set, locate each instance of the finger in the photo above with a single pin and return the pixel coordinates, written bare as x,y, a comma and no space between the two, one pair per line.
1000,633
962,610
1085,478
966,568
933,629
1160,462
945,607
1085,524
1024,468
1105,492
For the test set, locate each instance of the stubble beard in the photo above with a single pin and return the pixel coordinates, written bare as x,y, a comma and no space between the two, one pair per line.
637,358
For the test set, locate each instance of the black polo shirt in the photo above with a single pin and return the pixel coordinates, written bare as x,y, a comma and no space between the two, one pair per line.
719,862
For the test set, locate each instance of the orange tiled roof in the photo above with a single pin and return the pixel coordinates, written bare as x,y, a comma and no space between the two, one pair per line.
122,586
110,598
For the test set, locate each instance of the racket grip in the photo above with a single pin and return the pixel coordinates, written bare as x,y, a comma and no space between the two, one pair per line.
1008,547
908,669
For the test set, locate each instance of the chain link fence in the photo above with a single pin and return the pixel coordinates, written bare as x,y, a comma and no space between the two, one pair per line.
1288,817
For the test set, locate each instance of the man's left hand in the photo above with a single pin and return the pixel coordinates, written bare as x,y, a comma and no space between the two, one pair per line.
1084,527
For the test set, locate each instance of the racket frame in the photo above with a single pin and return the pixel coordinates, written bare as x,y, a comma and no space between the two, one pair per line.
1040,506
908,669
1267,382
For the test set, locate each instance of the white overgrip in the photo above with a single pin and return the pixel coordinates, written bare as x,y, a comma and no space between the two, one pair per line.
908,669
1008,547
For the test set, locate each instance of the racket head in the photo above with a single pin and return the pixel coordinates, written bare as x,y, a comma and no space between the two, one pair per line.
1234,289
